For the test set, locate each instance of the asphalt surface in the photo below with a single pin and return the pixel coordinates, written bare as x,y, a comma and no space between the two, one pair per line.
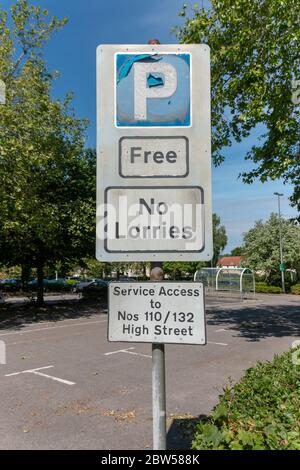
91,394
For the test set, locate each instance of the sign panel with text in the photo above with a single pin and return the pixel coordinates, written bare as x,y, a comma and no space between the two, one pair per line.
157,312
153,153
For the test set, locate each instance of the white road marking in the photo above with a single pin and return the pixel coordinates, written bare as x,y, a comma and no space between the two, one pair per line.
137,354
51,328
57,379
221,329
28,371
36,372
219,344
118,351
127,351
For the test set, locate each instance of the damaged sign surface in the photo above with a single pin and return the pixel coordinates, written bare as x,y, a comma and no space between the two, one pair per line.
149,92
153,153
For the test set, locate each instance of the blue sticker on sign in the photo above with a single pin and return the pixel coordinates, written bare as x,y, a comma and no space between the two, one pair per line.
153,90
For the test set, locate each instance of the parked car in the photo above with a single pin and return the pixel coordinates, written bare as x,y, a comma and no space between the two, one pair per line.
79,286
97,289
33,283
10,285
51,285
126,279
61,281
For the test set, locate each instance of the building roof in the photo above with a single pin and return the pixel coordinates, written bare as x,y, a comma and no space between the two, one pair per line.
230,261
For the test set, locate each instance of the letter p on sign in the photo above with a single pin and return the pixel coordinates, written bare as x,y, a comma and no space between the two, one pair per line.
153,90
142,89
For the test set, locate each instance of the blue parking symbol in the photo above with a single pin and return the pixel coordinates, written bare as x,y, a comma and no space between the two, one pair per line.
153,90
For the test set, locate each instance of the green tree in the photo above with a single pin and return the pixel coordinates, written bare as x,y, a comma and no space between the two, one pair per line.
255,62
175,269
47,179
238,251
96,268
219,238
261,246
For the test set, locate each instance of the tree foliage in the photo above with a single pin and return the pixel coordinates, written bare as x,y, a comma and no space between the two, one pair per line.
219,238
47,179
255,62
237,251
261,246
175,269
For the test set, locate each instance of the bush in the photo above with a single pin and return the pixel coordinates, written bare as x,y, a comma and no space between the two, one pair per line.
262,287
51,285
72,282
262,411
295,289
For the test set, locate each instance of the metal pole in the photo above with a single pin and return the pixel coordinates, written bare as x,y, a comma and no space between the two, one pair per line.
158,368
280,243
159,397
158,379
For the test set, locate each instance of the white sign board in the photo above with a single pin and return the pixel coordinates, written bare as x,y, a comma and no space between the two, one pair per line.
157,312
154,153
154,157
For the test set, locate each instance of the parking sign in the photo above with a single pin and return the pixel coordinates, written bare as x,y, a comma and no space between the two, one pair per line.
154,165
153,90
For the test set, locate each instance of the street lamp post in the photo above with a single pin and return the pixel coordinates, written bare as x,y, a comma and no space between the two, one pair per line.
280,243
2,92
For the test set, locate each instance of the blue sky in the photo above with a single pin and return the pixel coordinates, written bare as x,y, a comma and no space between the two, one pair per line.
72,51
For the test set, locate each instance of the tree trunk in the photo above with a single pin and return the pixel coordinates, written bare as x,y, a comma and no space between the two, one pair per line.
25,277
40,284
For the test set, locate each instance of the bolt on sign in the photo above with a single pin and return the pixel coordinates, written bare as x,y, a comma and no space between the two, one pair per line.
156,312
154,155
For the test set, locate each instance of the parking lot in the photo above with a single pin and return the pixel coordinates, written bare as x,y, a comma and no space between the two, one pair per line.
66,387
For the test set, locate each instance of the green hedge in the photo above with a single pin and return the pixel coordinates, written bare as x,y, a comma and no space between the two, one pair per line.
262,411
295,289
263,288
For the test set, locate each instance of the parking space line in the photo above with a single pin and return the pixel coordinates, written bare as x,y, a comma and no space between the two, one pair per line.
219,344
127,351
56,379
41,374
28,371
138,354
52,328
116,352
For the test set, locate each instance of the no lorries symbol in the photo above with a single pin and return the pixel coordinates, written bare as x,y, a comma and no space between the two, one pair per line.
140,217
